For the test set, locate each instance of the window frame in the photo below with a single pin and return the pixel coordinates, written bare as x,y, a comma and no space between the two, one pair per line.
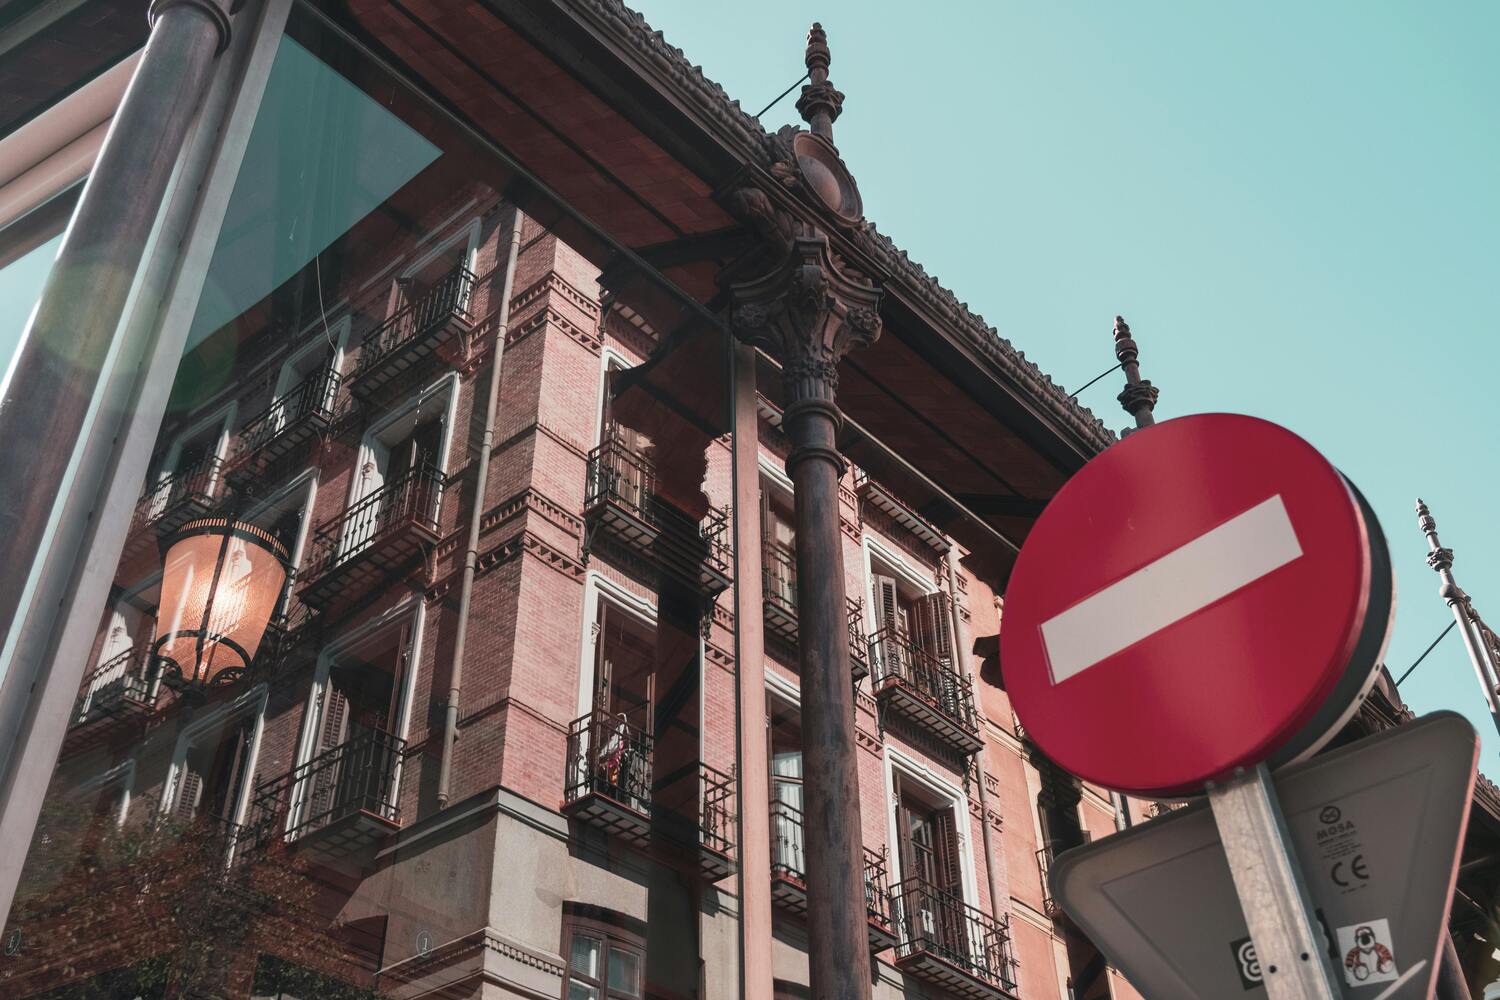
610,937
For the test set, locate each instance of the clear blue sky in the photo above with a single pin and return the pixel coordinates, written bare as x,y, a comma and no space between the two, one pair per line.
1294,206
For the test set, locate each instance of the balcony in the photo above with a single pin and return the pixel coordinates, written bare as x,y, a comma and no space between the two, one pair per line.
952,945
882,499
779,603
282,429
185,495
437,323
621,505
1044,859
338,806
117,691
717,812
374,541
609,776
789,878
919,687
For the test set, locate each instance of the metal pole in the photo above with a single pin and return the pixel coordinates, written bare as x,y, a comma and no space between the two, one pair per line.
1139,396
476,514
1288,943
52,635
1469,624
51,381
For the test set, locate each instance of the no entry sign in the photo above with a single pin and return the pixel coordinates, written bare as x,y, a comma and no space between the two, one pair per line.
1208,594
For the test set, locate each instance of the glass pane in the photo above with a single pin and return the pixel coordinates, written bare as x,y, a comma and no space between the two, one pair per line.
585,957
273,741
581,991
624,972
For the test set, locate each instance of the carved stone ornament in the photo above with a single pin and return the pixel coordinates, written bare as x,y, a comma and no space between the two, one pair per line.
808,312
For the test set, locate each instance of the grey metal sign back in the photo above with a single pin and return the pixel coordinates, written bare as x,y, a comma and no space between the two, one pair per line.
1376,827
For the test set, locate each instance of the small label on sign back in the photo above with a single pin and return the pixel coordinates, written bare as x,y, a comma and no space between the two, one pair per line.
1368,954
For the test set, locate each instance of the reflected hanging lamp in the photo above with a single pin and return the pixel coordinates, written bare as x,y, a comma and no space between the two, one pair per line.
221,581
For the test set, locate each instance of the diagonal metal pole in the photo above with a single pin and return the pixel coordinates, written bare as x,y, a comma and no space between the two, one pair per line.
1477,637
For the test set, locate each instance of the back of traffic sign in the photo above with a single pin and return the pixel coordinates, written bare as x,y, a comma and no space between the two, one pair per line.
1206,595
1376,827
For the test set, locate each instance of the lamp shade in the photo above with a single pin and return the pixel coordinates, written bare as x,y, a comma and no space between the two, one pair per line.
220,584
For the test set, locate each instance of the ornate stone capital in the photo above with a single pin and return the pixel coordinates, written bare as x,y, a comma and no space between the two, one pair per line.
1440,559
1138,396
808,312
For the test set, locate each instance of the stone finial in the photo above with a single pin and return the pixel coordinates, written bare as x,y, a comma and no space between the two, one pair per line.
1139,396
1439,558
820,102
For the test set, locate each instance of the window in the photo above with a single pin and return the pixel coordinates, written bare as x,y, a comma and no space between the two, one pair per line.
918,618
603,962
785,734
214,772
778,531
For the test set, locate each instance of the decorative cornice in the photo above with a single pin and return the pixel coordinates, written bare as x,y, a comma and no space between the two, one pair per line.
742,134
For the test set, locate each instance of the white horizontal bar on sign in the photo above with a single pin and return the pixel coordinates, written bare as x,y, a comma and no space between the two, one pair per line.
1180,583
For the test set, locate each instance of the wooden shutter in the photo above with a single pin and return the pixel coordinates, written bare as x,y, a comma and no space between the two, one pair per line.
950,872
931,630
335,718
887,608
189,791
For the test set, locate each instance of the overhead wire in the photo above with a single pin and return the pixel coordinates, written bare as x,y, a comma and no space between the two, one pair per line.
1429,649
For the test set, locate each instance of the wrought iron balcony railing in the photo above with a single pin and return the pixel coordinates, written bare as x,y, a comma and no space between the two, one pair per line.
375,538
345,797
717,811
291,420
621,497
414,332
918,685
789,875
120,685
176,499
608,780
951,944
621,478
779,599
1044,859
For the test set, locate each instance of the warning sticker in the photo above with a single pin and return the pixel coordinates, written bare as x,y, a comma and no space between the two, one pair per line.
1369,955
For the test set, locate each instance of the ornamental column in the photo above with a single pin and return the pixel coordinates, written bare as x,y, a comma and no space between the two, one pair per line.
810,310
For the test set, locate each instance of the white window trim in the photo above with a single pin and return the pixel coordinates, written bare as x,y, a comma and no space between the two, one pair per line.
597,588
251,703
224,417
312,712
606,356
447,384
467,234
317,338
873,548
771,469
940,788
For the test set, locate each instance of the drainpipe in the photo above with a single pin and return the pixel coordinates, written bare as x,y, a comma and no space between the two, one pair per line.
481,483
984,795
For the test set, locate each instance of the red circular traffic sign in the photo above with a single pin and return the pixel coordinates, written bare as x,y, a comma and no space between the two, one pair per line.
1208,594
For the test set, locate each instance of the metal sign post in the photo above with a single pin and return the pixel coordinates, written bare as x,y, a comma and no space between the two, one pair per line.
1374,828
1205,600
1271,889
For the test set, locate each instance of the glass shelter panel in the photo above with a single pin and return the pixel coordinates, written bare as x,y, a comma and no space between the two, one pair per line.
281,784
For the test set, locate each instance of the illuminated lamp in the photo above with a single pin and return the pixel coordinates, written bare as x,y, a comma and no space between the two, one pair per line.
220,585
